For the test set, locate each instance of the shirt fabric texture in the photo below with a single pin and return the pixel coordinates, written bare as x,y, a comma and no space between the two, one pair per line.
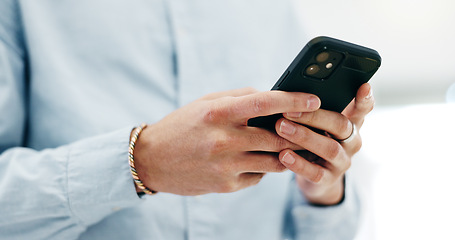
77,76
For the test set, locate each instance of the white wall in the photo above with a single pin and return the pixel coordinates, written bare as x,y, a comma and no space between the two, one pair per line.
416,39
406,172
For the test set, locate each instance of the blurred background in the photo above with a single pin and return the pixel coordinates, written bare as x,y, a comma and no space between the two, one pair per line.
416,39
406,166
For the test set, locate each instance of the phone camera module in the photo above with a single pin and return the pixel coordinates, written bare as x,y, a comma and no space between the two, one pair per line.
312,69
322,57
323,64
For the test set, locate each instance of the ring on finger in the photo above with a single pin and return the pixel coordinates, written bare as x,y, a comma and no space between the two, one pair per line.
351,136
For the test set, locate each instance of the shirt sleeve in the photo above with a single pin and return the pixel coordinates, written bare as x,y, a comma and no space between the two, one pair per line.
53,193
58,193
324,222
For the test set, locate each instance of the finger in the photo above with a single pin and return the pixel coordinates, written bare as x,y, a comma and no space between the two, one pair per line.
268,103
312,172
247,139
259,162
361,105
230,93
334,123
323,146
251,139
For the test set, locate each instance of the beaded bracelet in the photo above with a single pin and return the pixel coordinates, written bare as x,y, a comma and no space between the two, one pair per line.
137,131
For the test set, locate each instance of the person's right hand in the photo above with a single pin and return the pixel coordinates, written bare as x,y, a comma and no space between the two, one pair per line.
206,146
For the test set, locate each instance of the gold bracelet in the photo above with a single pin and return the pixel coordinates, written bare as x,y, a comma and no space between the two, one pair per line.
137,131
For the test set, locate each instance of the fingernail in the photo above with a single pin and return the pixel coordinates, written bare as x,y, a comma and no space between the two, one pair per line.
294,114
288,159
313,103
370,94
287,128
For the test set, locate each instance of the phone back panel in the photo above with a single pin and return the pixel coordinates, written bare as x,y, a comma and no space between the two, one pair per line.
355,66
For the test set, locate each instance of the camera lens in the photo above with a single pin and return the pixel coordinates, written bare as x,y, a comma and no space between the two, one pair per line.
312,69
322,57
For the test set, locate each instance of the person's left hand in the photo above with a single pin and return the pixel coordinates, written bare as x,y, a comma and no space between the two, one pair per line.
320,170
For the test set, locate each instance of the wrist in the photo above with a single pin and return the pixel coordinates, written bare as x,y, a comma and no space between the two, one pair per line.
322,195
135,165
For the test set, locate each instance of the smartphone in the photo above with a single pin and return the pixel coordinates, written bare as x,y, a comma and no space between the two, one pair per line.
330,68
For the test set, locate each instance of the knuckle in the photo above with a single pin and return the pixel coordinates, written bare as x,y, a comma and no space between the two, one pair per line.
279,167
366,108
333,150
343,166
344,126
227,187
220,169
309,118
342,169
371,107
215,112
211,115
262,103
281,143
317,177
221,143
250,90
208,97
357,145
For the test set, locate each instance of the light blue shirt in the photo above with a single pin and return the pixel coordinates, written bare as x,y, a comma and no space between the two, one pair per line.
451,94
76,76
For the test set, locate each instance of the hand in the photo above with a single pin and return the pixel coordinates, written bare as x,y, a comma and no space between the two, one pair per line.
320,171
206,146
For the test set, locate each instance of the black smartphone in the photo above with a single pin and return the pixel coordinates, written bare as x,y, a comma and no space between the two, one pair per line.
330,68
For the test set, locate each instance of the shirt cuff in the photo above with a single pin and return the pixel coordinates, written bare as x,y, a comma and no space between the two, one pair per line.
326,222
99,177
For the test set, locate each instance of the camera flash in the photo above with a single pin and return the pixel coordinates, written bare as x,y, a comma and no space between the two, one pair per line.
329,65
